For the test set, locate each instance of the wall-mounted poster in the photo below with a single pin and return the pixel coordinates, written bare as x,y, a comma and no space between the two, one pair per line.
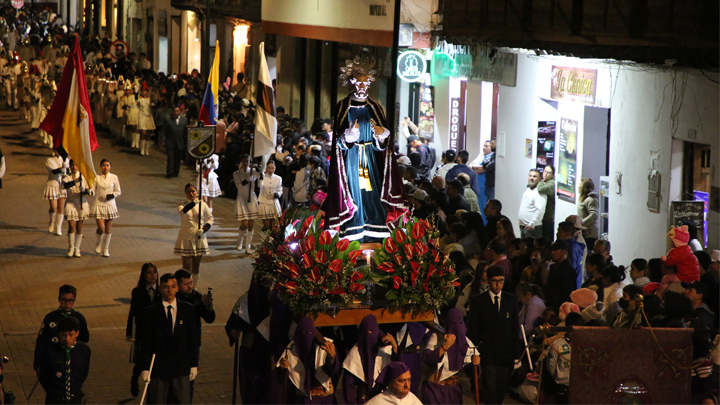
426,123
545,145
567,160
528,148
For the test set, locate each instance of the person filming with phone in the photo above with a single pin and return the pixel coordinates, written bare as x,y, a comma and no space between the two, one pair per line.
203,307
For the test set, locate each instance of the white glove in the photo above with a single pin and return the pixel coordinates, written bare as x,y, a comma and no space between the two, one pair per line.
180,208
352,135
381,137
199,232
145,376
193,373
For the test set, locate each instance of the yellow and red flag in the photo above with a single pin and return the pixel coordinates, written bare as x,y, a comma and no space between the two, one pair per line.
69,120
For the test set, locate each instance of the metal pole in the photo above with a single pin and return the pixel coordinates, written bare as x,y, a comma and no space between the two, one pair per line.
200,162
235,371
152,363
392,83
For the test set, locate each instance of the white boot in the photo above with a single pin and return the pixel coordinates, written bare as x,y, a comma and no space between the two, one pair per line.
59,218
142,148
249,242
78,242
106,245
196,281
51,226
147,147
99,242
240,239
135,140
71,245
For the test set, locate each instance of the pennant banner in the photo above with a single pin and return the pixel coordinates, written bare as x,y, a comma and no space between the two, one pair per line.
265,121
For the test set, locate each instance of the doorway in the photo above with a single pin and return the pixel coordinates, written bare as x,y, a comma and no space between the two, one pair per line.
696,179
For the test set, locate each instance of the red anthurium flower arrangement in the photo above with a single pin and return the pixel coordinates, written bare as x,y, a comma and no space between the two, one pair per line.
322,269
417,275
288,231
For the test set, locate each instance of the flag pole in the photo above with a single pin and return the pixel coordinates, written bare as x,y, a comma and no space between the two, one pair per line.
200,195
81,193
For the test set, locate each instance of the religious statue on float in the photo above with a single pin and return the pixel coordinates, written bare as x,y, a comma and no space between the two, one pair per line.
365,190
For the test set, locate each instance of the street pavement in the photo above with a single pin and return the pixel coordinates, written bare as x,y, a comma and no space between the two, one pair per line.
33,266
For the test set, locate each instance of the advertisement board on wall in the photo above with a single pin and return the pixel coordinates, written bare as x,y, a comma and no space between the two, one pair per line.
426,121
566,176
545,145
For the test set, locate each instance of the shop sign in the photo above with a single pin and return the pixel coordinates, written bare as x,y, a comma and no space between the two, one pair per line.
691,211
18,4
573,84
457,124
411,66
566,176
480,63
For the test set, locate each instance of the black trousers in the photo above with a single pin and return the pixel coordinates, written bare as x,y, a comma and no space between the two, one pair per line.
174,156
495,381
160,389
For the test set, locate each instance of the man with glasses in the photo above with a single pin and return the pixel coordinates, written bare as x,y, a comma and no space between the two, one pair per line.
494,326
48,329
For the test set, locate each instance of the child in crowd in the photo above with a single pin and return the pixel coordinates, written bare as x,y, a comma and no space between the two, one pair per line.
638,272
686,265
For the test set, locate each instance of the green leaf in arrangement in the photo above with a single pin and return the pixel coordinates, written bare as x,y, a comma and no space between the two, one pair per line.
392,295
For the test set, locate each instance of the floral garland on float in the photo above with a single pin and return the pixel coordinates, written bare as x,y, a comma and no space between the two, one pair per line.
418,276
317,272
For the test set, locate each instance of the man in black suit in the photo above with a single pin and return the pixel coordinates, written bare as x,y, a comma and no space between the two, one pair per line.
174,128
561,280
170,335
494,326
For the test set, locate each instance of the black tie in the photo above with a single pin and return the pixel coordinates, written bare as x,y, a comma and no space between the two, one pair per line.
497,303
169,316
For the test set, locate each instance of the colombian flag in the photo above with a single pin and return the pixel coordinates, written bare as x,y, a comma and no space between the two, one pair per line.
69,120
209,107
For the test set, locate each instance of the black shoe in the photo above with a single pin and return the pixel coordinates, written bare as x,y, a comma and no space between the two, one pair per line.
134,387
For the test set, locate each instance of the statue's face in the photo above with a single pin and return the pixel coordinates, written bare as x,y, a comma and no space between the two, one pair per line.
362,84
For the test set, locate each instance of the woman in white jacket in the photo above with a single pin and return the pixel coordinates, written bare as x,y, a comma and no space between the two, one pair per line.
208,177
271,189
77,208
246,202
106,188
54,193
191,243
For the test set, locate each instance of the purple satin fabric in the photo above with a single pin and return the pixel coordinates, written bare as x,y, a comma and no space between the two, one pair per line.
455,325
304,338
368,339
